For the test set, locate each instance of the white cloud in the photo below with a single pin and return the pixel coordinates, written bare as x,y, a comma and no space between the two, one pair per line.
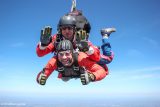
152,42
141,73
155,68
134,52
146,69
147,73
15,45
144,76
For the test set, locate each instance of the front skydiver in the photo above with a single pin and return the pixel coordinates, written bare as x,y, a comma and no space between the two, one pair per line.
71,64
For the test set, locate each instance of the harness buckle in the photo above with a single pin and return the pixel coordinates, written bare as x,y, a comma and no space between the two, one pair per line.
60,69
76,68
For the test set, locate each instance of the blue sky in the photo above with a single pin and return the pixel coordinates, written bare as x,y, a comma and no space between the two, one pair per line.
135,70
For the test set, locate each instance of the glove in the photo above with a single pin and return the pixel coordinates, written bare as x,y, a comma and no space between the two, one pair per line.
83,46
86,78
46,38
41,78
81,35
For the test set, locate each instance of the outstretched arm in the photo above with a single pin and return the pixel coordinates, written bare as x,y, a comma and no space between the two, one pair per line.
47,70
92,67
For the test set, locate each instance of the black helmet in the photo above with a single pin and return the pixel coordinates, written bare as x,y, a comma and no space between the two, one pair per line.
67,20
64,45
81,21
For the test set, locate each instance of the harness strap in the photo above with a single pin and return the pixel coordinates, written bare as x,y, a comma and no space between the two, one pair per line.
58,39
75,65
73,8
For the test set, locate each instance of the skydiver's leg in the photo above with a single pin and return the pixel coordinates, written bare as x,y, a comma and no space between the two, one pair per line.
107,56
106,47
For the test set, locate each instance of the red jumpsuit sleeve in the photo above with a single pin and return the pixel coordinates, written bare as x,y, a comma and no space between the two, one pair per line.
50,66
96,55
92,66
48,49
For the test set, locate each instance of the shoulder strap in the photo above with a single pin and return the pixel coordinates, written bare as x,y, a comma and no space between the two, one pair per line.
58,39
75,65
60,67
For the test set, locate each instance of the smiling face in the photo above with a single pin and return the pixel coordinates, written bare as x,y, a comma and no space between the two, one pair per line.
65,57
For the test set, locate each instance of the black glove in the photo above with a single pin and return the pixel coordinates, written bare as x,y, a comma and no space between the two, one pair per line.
81,35
86,78
46,38
41,78
83,46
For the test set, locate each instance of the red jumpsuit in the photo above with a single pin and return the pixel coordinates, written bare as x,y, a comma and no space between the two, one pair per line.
51,48
83,61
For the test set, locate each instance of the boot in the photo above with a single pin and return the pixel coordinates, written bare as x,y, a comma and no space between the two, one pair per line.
107,31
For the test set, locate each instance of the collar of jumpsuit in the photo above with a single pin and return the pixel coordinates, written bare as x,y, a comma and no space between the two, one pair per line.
65,57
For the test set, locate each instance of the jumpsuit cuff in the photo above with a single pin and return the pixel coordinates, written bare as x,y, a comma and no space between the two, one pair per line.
90,51
105,37
41,47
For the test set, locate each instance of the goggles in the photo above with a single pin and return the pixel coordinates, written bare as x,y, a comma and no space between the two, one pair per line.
67,27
